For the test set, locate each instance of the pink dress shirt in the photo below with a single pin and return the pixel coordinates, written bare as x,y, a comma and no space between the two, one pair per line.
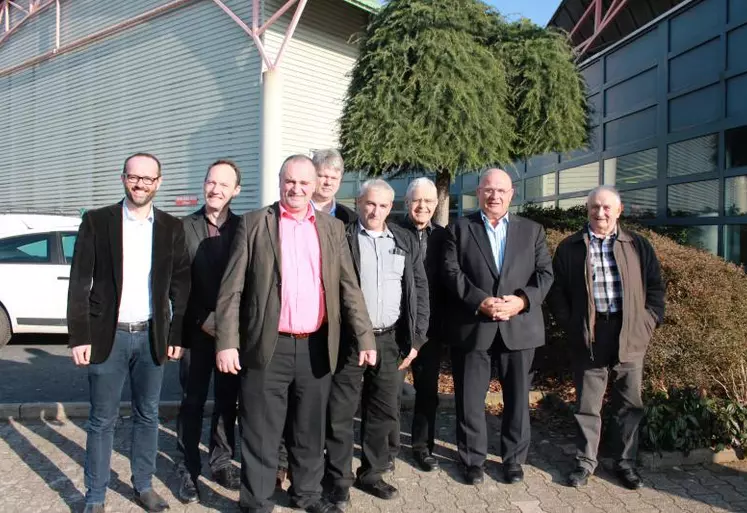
302,307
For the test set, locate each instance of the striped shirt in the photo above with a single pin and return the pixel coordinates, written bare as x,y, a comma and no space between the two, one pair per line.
497,237
606,280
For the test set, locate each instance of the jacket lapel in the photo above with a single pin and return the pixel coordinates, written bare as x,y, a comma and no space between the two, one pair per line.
271,221
198,224
512,234
115,243
477,229
355,248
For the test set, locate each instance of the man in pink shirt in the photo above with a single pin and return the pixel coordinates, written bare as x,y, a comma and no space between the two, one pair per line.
288,286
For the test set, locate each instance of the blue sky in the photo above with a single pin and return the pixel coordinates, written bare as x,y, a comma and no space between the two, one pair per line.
539,11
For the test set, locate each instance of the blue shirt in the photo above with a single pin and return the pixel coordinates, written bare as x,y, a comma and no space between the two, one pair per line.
497,238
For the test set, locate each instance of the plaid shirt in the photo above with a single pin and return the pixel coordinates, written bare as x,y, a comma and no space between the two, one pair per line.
606,277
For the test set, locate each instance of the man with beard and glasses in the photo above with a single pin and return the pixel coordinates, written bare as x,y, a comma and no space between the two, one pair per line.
209,233
129,284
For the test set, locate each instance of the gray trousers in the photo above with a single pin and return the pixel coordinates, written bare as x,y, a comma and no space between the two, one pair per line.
591,377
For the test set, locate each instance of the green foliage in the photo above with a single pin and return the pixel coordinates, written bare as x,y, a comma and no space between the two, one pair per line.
731,426
564,220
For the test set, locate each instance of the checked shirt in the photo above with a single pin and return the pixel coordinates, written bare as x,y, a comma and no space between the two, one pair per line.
606,277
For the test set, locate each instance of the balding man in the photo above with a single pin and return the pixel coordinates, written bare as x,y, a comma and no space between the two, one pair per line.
608,296
288,286
498,269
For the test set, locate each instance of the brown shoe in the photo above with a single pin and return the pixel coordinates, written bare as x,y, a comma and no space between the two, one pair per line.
280,478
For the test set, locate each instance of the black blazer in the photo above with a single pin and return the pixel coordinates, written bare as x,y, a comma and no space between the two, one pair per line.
412,327
96,282
470,276
206,271
345,214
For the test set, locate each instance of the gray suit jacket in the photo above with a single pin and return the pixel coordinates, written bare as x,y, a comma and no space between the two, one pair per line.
248,308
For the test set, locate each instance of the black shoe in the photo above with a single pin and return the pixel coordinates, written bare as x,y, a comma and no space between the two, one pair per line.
630,478
474,475
425,461
95,508
380,489
151,501
390,466
579,477
227,477
513,473
188,493
322,506
340,497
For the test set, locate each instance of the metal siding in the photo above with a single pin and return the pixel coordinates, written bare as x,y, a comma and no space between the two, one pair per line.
184,86
35,36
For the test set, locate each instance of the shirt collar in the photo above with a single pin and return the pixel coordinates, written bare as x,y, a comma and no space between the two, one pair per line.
387,232
428,228
611,236
503,220
127,214
309,216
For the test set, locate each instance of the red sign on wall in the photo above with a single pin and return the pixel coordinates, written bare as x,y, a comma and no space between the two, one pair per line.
185,201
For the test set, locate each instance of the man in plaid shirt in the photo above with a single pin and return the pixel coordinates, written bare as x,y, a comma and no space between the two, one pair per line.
608,296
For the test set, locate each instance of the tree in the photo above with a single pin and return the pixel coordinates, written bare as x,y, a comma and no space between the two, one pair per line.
449,86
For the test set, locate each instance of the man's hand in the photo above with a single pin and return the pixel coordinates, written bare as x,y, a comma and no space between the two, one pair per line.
227,361
175,352
209,325
82,355
367,358
508,306
407,361
487,307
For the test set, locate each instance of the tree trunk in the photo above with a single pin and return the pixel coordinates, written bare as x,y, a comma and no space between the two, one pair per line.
443,182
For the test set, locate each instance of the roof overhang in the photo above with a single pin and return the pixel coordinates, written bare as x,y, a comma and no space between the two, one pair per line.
367,5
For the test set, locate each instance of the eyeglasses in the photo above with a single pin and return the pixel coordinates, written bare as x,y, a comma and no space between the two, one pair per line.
499,192
147,180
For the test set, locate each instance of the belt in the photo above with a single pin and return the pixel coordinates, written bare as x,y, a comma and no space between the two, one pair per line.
132,327
295,335
606,316
381,331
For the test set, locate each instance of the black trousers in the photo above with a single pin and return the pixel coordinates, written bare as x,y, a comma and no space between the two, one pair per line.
195,370
299,369
471,381
591,377
377,389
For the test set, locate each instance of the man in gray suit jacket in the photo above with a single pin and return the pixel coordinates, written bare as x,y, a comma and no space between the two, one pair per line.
288,286
498,271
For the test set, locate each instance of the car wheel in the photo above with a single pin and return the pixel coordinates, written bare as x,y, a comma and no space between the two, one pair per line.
5,330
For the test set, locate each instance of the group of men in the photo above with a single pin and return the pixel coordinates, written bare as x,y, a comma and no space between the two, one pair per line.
305,311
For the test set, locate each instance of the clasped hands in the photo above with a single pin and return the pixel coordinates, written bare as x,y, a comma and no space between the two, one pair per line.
503,308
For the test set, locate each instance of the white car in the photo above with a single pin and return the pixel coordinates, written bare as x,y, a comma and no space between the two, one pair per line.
35,255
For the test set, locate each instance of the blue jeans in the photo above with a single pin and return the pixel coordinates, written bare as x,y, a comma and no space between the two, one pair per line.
131,355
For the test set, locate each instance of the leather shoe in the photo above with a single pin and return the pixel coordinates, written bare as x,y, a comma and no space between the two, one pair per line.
340,497
630,478
188,493
322,506
474,475
151,501
513,473
227,477
95,508
579,477
426,462
380,489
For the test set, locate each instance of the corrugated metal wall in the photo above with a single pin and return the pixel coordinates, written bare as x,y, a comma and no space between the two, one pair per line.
184,86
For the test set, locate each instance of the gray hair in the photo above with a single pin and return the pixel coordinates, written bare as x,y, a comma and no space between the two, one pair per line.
418,182
608,188
375,183
329,158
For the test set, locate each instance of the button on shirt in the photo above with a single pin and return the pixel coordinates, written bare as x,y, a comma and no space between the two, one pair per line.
605,274
302,307
497,238
382,268
137,251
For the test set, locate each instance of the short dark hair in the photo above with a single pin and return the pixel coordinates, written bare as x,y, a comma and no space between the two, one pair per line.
141,154
229,163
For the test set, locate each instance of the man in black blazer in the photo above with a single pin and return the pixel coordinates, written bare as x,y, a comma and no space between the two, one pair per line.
129,284
209,233
498,269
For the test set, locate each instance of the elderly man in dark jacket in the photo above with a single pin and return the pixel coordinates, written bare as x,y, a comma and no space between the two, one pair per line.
608,295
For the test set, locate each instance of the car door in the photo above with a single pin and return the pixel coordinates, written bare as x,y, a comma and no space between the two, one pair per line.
64,258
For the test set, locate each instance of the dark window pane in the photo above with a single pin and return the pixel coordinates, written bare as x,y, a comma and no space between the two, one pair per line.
540,186
579,178
25,249
693,156
640,203
632,168
736,147
735,243
735,196
702,237
469,182
699,199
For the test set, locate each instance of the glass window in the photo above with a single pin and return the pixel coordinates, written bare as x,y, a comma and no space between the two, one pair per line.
693,156
736,147
580,178
348,190
640,203
735,243
735,196
698,199
68,245
632,168
572,202
399,185
469,203
540,186
25,249
469,182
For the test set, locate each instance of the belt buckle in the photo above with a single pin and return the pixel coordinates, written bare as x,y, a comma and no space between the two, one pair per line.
130,327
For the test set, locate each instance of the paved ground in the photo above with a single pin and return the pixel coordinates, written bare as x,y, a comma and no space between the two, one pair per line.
41,470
